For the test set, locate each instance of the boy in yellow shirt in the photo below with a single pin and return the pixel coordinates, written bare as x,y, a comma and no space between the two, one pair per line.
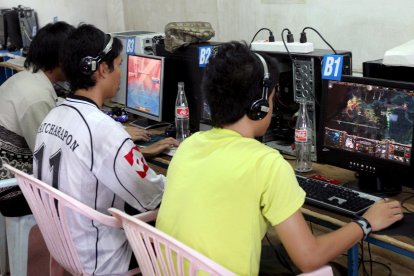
225,188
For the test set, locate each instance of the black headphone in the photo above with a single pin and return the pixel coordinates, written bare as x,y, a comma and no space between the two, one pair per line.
259,108
89,65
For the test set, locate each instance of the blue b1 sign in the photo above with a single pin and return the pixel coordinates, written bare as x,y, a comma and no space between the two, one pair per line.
204,54
332,67
130,46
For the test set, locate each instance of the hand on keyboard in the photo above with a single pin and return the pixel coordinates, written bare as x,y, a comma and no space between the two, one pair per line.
138,134
159,147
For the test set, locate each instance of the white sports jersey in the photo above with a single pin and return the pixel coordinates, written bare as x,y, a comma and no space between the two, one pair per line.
89,156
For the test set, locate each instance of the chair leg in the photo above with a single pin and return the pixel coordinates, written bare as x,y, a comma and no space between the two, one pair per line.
17,231
3,247
55,268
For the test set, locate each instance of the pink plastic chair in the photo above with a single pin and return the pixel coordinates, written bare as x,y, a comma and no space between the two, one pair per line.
159,254
50,208
323,271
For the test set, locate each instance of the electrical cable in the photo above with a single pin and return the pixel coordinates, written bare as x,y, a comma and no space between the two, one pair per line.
372,261
271,37
404,201
361,260
284,43
303,37
370,257
384,265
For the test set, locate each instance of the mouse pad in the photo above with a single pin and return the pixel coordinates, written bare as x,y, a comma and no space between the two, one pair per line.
405,227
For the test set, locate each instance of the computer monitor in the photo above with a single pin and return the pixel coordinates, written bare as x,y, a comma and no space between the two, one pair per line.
144,89
367,125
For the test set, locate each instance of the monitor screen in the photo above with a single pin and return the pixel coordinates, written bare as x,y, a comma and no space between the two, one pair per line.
144,89
367,125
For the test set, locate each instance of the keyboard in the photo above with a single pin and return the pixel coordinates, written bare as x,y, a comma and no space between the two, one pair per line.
335,198
170,151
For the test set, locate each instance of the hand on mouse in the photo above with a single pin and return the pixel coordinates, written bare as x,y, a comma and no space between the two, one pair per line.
138,134
159,147
383,213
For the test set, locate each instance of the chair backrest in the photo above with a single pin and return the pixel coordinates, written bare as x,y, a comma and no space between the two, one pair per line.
160,254
50,208
323,271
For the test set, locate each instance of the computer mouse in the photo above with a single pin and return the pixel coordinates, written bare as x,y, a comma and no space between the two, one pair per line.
170,131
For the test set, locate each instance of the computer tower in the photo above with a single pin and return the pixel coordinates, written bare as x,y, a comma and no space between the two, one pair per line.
183,66
375,69
298,78
14,37
3,29
143,41
28,25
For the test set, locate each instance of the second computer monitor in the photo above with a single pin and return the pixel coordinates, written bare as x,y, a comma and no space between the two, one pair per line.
144,89
367,126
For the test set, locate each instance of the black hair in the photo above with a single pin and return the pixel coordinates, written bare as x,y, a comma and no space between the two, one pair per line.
233,81
86,40
44,49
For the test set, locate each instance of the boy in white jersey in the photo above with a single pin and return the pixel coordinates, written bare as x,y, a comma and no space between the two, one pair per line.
222,202
89,156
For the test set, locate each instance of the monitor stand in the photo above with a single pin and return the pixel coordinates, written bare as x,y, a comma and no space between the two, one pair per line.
379,185
145,123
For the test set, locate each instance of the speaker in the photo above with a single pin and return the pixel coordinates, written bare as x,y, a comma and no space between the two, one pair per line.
89,65
259,108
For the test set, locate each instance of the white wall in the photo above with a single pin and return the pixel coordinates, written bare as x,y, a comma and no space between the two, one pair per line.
368,28
104,14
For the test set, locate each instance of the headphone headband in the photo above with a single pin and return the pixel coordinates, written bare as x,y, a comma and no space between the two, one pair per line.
108,46
259,108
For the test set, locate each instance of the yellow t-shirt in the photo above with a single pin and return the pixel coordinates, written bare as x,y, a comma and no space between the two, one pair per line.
222,192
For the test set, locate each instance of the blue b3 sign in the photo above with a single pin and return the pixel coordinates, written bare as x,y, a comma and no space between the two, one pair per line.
130,47
332,67
204,54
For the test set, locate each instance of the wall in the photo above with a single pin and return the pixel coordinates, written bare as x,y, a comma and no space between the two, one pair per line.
105,14
368,28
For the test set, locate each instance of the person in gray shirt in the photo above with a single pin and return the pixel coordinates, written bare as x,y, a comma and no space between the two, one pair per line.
25,99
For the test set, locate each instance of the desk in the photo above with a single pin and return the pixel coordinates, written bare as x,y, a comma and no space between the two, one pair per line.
9,66
399,244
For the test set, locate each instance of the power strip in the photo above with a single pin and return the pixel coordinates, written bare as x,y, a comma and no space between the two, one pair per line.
278,46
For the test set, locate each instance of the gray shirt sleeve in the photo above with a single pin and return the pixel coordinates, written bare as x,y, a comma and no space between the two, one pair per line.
32,118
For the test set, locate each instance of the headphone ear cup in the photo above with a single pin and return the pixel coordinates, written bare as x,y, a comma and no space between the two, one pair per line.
258,110
88,65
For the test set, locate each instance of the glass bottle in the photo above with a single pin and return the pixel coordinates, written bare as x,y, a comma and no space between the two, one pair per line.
182,114
303,139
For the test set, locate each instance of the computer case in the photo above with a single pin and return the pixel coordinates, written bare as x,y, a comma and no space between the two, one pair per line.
143,45
13,37
300,78
375,69
28,25
3,29
183,66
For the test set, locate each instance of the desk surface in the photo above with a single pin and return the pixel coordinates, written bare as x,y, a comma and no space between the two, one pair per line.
345,176
11,65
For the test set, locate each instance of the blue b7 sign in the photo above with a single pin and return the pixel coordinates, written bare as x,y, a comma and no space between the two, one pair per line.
332,67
